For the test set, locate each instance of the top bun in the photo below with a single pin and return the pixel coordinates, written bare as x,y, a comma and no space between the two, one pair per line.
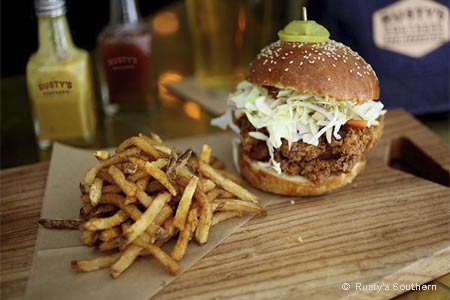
328,69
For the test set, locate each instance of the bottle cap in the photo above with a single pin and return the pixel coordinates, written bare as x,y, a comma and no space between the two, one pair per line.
50,8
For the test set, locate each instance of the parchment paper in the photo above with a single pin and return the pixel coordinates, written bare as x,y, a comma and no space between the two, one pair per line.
51,276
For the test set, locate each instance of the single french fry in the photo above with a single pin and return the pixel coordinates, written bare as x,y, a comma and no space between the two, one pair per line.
163,215
143,182
119,201
127,187
183,159
231,176
225,215
109,245
217,205
95,192
156,138
205,219
179,250
171,170
142,196
227,184
120,157
111,189
102,210
157,143
141,144
205,154
101,155
156,173
162,257
85,211
241,205
193,163
104,223
218,194
89,237
184,204
138,175
89,265
154,186
109,234
146,219
61,223
184,172
207,184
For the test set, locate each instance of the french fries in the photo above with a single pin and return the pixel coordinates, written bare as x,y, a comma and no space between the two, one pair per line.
184,204
147,193
166,260
146,219
95,224
60,223
226,184
185,236
95,192
205,219
95,264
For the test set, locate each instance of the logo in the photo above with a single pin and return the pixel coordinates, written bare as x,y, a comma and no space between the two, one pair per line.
411,27
122,62
55,87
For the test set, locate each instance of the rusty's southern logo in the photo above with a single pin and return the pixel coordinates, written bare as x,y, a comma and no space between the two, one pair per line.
411,27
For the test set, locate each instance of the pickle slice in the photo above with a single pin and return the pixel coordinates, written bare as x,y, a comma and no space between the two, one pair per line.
304,31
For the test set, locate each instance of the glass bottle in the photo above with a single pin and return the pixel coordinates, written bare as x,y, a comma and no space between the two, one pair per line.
59,81
124,47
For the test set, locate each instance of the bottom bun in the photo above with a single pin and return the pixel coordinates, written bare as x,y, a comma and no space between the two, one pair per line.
268,180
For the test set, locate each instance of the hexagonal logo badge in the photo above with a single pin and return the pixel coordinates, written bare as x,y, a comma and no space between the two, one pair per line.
411,27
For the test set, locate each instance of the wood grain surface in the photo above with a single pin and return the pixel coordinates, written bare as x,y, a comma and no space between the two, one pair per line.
388,226
22,190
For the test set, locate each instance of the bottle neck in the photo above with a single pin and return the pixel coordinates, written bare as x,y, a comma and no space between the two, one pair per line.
123,12
55,39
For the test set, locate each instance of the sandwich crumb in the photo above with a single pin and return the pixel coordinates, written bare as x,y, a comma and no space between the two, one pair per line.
292,202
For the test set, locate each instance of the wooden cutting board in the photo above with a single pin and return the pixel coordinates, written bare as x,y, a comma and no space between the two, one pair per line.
388,227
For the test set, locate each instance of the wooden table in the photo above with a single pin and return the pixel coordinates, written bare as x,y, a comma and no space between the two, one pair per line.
22,190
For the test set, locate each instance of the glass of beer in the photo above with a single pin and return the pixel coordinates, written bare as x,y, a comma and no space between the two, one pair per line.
226,36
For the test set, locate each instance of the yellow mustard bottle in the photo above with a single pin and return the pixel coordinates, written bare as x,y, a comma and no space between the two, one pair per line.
59,81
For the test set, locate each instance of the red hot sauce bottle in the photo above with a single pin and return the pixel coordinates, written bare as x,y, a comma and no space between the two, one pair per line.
125,52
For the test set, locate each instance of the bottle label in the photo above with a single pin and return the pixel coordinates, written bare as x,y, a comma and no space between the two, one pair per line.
122,62
55,87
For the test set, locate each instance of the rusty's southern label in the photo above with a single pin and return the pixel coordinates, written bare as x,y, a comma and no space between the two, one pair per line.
411,27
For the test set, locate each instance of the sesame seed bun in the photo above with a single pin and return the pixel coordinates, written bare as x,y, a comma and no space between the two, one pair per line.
268,180
328,69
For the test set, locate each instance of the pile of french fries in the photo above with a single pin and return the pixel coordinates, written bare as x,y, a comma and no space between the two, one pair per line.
148,193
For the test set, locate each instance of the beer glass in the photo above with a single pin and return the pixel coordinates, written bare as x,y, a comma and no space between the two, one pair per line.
226,36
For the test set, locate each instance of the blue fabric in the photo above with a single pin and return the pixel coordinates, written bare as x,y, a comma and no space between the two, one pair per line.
420,85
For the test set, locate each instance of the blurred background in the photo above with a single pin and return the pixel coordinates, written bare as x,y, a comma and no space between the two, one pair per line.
406,41
86,19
